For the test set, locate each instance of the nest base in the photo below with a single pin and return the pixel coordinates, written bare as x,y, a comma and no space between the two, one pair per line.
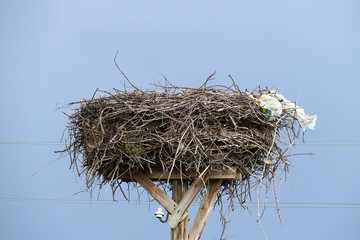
158,174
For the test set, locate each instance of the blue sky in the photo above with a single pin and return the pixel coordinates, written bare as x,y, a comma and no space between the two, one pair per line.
55,52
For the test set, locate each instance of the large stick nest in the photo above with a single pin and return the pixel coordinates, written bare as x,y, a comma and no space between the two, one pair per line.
178,128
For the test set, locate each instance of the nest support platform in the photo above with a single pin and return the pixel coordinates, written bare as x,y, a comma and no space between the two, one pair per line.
183,197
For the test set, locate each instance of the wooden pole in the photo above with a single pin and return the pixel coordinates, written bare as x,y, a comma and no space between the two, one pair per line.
180,232
182,207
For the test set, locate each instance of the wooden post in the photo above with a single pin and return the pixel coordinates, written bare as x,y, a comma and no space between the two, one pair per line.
180,232
182,207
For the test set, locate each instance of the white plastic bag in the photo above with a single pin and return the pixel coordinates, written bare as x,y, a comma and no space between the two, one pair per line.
305,120
273,105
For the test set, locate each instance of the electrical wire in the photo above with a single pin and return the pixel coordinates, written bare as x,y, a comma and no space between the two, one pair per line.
338,205
339,140
330,145
32,143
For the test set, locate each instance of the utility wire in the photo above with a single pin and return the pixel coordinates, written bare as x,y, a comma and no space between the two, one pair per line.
32,143
330,145
335,140
355,205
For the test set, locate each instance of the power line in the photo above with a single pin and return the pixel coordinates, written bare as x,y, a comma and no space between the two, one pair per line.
339,205
32,143
330,145
335,140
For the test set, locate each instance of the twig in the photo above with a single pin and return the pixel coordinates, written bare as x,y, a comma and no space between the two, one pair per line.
122,73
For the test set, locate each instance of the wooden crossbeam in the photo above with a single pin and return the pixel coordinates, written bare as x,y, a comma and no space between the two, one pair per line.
158,174
186,201
205,209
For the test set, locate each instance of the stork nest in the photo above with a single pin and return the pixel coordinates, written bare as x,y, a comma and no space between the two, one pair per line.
206,128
